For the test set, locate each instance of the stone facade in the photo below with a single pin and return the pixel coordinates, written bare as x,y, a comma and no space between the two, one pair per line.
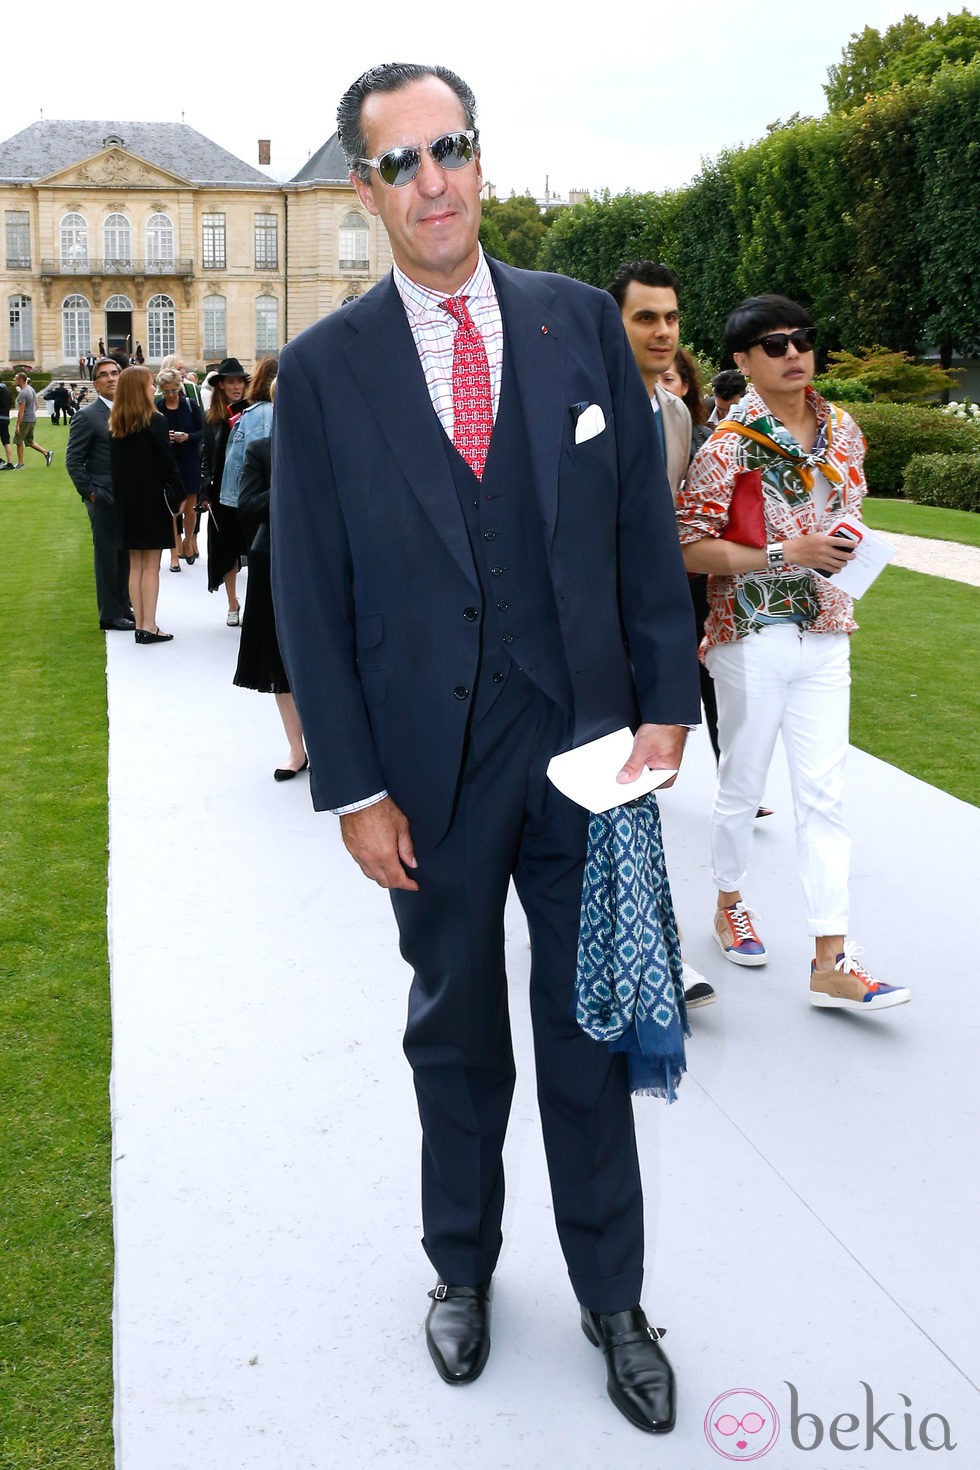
180,247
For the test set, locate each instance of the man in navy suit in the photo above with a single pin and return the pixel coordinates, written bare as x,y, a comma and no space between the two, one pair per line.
451,622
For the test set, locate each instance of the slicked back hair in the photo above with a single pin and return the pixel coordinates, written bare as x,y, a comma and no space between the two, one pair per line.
757,315
646,273
391,76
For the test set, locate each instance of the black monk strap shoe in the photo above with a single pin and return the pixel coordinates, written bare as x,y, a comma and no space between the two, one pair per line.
118,625
639,1378
457,1331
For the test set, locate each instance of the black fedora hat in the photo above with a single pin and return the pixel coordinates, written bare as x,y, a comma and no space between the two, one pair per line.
231,368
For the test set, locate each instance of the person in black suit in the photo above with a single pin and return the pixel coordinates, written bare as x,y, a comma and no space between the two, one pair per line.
454,606
88,463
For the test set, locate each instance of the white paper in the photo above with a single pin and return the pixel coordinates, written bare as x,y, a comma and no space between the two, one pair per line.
587,775
591,421
870,557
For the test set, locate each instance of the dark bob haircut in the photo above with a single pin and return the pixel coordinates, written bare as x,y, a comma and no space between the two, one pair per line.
391,76
646,273
758,315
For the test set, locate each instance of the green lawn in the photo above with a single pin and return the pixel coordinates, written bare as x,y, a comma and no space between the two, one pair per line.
906,519
914,698
55,1217
914,705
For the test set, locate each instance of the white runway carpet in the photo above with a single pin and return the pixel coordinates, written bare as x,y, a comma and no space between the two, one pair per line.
811,1197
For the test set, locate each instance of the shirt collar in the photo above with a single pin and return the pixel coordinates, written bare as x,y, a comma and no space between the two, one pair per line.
106,401
422,304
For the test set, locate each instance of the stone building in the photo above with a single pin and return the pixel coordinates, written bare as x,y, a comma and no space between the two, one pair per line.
150,233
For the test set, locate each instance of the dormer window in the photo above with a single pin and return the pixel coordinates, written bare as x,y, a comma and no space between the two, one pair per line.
113,141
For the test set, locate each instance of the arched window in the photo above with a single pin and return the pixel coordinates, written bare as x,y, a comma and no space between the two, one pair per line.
76,328
74,242
159,242
215,328
161,328
118,247
354,239
21,319
119,303
266,325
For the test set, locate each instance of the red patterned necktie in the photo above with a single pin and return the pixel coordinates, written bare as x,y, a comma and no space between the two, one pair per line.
472,401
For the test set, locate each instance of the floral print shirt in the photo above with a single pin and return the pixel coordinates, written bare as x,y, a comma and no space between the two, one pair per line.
750,601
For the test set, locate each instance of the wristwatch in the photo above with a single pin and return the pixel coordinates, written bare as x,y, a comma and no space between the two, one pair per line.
775,561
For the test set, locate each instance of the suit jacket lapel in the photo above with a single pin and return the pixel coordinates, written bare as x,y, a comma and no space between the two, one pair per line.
535,338
383,359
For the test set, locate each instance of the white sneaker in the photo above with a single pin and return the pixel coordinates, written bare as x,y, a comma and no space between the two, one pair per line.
697,991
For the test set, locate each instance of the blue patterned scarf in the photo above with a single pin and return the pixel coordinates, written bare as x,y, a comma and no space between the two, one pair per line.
629,990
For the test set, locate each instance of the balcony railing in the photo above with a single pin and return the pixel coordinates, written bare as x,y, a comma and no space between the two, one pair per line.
122,266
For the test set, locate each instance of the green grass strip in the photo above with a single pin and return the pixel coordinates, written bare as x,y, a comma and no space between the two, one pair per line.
906,519
55,1211
914,699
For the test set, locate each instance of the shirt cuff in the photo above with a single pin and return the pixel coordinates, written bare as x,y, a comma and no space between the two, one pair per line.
358,806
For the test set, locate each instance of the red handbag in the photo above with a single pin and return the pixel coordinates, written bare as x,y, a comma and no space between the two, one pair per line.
746,516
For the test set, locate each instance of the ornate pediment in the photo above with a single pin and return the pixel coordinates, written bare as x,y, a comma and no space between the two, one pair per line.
113,168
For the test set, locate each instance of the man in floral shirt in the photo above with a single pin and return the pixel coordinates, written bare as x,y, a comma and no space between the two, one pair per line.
756,514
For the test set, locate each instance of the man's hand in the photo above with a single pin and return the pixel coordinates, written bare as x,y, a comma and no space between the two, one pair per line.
658,746
378,839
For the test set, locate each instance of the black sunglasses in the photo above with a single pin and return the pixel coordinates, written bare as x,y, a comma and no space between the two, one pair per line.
400,165
775,344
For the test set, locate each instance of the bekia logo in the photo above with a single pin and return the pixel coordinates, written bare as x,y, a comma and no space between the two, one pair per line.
742,1425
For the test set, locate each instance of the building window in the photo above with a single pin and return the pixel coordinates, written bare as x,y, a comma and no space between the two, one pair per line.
215,328
159,242
266,242
161,328
118,247
18,240
119,303
21,327
214,258
354,237
266,325
74,242
76,328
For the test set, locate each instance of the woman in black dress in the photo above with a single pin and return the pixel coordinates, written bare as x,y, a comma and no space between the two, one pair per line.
260,663
228,403
186,424
143,471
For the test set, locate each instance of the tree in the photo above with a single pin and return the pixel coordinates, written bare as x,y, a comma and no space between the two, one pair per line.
909,51
522,227
893,377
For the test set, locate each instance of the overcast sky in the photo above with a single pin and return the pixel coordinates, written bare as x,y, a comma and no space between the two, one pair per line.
576,94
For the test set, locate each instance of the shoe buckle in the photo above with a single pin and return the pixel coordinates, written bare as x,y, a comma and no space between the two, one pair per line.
439,1294
655,1333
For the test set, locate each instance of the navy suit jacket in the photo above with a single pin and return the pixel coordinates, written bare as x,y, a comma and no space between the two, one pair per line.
372,567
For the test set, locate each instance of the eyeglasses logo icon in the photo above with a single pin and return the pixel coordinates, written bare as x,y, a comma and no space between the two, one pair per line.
741,1425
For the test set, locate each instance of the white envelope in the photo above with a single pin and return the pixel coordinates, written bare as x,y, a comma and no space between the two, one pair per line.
591,421
587,775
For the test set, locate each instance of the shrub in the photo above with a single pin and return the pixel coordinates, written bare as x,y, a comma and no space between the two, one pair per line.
964,410
897,431
949,480
843,390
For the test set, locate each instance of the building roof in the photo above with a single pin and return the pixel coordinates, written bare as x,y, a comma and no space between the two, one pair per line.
49,145
328,165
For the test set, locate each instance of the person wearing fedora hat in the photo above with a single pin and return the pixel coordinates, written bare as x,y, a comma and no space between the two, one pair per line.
228,403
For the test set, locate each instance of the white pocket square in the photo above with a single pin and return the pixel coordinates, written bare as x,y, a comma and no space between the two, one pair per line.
590,422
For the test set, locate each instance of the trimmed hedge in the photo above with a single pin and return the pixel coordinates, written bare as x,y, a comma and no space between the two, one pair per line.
843,390
949,480
897,431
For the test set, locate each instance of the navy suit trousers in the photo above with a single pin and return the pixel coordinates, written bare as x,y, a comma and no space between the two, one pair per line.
510,821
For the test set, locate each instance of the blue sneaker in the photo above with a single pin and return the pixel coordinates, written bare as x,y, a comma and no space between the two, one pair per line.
737,937
849,987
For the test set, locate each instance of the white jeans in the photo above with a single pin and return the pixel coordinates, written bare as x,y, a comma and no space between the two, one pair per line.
784,680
